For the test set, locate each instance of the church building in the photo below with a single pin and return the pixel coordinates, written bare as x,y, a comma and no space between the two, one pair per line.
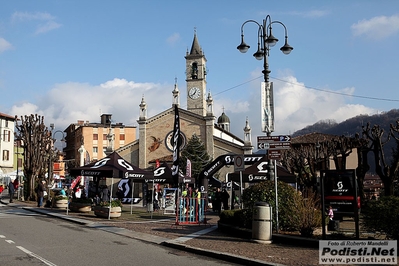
155,133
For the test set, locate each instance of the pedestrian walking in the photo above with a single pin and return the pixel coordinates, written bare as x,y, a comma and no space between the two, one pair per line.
40,189
11,191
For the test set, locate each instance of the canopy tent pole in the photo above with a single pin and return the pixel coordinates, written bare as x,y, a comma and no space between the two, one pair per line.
110,199
241,207
152,199
68,201
131,202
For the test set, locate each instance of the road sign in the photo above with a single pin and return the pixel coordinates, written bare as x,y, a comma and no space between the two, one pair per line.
239,164
271,139
263,146
280,146
274,154
274,142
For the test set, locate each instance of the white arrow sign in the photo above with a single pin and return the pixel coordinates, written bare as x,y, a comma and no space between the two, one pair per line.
263,146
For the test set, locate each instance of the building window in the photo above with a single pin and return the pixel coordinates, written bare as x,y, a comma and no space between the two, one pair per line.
7,135
6,155
95,136
122,137
95,149
104,136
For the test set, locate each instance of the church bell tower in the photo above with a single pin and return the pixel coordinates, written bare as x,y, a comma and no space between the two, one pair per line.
196,78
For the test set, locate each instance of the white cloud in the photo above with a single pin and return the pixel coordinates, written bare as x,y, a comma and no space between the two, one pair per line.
314,13
48,26
49,20
26,16
69,102
295,105
26,108
376,28
173,39
4,45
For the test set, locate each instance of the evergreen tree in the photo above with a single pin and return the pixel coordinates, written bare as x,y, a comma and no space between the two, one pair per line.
194,151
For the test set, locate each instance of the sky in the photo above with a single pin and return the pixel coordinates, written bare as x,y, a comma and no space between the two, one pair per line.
75,60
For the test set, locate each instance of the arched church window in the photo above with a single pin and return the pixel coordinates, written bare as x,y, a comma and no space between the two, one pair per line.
194,71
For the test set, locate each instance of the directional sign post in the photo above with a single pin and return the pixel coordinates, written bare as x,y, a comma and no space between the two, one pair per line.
282,138
274,142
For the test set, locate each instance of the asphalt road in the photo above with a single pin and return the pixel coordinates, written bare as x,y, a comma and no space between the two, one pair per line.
27,238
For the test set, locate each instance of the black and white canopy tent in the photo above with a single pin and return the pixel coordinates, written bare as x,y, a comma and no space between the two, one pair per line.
113,166
258,172
163,175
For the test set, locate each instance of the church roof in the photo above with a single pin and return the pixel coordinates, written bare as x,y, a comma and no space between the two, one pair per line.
195,47
223,119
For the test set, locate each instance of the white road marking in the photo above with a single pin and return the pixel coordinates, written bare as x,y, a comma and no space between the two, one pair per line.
36,256
194,235
10,241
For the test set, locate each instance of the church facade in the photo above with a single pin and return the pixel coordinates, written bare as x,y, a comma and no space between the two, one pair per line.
155,133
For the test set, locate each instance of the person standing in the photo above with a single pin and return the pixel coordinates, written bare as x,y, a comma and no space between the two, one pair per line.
225,199
105,194
11,191
78,192
218,201
1,190
330,213
40,193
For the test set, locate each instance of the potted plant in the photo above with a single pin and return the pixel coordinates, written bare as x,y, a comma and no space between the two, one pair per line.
60,202
81,205
103,210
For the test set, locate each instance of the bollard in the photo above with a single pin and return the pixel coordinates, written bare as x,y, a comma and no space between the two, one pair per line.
262,223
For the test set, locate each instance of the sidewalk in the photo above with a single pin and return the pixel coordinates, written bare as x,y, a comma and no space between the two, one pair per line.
204,239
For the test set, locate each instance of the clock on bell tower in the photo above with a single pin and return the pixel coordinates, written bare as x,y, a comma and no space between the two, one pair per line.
196,79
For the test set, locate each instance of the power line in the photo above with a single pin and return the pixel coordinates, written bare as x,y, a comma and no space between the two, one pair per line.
312,88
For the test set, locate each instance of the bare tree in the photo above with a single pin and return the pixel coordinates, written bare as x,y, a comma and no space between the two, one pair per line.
394,130
304,160
37,144
339,149
361,145
376,143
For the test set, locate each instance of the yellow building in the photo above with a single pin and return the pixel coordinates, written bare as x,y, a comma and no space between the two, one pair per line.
86,142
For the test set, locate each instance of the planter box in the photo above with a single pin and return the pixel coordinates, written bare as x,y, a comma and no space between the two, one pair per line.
61,204
103,212
80,207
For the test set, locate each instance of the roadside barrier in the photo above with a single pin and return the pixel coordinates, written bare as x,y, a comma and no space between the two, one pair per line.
190,211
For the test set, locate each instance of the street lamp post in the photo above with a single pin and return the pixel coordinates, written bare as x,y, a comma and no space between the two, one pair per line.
266,40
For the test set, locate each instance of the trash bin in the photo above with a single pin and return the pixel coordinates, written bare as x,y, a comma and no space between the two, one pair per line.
262,223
